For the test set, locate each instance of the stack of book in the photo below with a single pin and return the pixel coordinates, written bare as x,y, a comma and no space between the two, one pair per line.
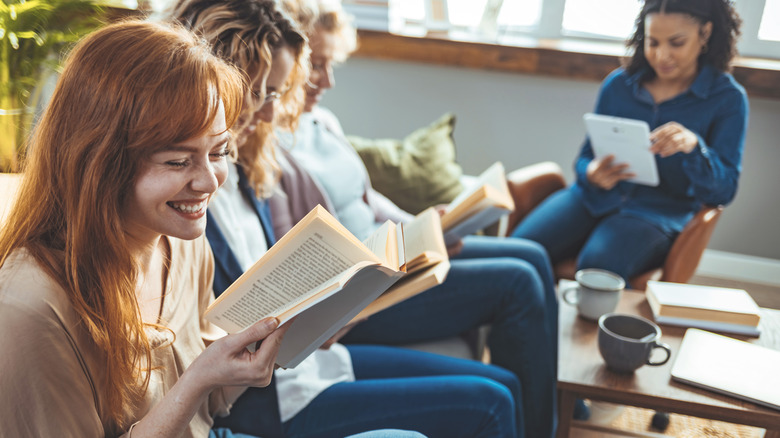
705,307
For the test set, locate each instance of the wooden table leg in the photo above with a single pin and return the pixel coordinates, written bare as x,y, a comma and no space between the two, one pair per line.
566,401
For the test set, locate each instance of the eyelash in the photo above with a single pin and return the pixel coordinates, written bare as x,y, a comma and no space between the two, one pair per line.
184,163
224,153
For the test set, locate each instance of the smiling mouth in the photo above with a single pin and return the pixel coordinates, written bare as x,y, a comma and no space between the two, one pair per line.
189,208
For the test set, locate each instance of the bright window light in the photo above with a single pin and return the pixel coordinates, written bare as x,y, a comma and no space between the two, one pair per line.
521,13
610,18
411,10
466,13
770,29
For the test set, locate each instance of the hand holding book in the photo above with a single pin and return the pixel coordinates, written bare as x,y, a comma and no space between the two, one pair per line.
324,276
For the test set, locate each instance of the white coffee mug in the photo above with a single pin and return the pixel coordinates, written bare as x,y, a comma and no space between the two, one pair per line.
597,292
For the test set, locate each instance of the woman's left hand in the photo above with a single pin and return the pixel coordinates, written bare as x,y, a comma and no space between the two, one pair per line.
671,138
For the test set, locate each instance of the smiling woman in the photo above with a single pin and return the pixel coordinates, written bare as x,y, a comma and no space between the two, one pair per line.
174,186
104,269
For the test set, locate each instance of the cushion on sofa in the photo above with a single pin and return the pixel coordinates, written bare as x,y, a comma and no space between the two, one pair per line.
415,172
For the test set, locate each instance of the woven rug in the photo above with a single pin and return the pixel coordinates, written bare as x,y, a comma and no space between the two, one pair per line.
682,426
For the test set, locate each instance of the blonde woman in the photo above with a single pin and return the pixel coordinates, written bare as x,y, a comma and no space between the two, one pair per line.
506,283
337,390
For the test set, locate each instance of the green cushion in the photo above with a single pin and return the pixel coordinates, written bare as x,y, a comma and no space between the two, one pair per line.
417,172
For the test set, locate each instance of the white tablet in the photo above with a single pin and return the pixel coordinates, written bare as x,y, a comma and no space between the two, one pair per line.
628,140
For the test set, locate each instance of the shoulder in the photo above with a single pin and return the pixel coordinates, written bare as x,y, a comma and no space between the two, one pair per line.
327,118
25,287
617,77
618,73
725,86
44,340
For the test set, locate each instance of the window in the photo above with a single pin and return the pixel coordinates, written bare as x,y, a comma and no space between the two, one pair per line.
770,31
605,18
610,21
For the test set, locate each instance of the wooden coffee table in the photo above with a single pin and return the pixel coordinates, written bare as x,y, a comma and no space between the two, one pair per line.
583,374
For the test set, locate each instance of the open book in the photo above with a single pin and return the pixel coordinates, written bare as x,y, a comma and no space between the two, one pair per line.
478,206
421,253
320,274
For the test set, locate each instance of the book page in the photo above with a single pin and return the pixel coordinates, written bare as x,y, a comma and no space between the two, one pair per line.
482,219
309,257
494,176
407,287
424,240
490,189
383,243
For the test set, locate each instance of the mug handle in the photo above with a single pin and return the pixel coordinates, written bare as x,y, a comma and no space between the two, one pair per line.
664,347
565,294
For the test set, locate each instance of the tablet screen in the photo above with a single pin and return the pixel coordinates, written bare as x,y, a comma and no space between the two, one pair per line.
628,140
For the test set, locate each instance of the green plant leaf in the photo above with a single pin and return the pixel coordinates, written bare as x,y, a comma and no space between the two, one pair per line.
13,40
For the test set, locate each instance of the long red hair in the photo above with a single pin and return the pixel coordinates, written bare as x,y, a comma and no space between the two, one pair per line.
126,91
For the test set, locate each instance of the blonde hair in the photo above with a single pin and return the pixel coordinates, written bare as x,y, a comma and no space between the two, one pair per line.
332,18
248,33
126,91
329,16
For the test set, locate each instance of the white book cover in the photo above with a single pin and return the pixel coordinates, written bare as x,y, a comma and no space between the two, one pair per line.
703,297
729,366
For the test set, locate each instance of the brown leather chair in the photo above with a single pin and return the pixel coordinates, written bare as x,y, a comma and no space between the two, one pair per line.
532,184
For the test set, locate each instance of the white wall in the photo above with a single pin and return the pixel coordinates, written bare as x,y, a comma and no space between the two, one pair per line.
523,119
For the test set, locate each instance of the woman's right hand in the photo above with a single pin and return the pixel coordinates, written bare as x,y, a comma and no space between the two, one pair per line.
605,174
227,362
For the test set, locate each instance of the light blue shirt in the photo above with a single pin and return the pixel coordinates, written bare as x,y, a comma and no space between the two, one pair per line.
715,108
339,172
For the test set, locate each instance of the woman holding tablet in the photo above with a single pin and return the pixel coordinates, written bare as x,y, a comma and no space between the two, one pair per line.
677,81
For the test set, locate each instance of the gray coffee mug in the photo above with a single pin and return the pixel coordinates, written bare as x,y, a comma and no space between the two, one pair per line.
597,292
626,342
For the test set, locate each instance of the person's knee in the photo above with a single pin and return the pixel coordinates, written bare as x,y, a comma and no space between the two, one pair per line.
527,288
509,380
495,400
603,258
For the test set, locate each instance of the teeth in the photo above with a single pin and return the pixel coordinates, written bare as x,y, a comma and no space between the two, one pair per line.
189,208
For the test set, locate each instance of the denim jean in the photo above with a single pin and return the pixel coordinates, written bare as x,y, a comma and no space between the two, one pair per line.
624,244
384,433
399,388
507,283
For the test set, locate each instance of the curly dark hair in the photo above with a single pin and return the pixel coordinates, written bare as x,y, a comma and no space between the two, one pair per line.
721,47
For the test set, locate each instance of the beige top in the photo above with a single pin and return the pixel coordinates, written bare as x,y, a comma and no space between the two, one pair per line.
51,373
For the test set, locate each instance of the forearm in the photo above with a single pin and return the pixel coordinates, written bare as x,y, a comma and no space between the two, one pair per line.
232,393
171,416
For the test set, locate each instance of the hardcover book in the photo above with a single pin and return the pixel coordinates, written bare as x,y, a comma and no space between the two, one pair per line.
707,307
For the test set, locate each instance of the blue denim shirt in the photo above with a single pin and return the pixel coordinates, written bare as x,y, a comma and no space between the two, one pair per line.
715,108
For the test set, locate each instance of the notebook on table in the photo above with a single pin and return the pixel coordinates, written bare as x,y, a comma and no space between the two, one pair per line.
729,366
